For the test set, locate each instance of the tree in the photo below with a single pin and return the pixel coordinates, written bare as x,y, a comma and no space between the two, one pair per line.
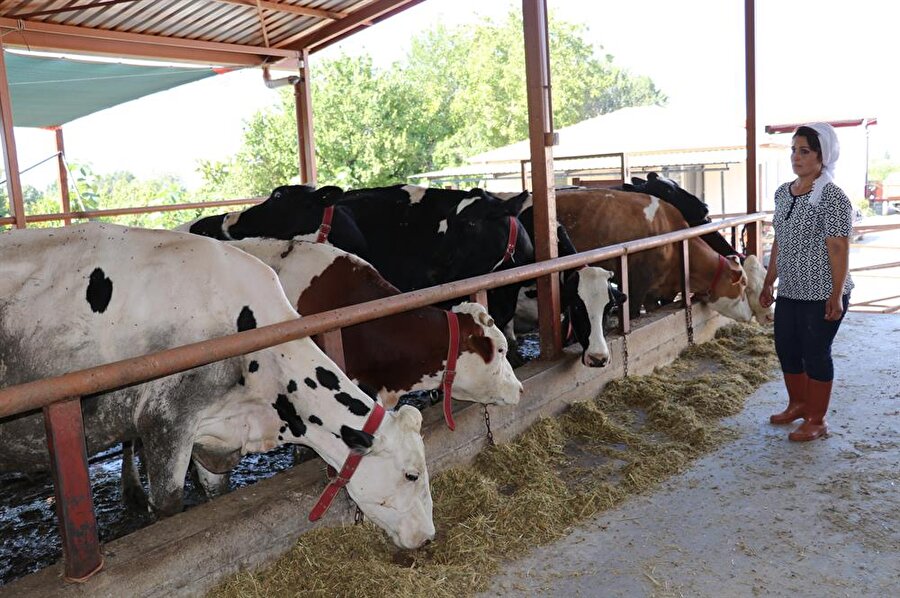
458,92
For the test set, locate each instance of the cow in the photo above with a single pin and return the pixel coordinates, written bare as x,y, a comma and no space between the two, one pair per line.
597,218
290,211
587,298
94,293
397,354
696,213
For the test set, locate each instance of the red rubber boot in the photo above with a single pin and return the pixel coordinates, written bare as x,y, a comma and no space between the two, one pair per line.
818,395
797,388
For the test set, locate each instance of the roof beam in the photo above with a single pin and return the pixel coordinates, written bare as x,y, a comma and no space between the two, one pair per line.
48,36
333,32
56,11
288,8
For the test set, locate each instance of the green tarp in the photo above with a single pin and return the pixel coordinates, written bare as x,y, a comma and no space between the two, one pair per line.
53,91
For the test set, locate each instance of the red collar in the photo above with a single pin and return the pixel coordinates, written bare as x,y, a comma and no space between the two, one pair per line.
325,227
719,269
450,372
349,468
510,243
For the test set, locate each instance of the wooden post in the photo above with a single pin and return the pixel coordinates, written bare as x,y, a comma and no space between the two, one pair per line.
542,138
305,134
63,174
72,487
753,228
10,155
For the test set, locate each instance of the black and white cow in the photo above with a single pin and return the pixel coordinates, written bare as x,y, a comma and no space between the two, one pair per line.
291,211
397,354
90,294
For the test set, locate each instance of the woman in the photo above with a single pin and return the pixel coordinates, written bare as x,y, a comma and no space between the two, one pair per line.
810,257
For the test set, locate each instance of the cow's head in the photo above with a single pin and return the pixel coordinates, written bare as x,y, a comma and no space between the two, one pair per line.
391,485
589,297
476,238
290,211
756,274
728,294
483,374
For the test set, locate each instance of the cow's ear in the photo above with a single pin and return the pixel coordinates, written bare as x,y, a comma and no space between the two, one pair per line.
513,205
410,418
481,346
358,441
736,276
329,194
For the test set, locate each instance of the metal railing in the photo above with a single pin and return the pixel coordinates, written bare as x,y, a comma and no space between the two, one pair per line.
59,396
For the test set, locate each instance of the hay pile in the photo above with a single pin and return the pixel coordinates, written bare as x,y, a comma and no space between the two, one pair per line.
636,433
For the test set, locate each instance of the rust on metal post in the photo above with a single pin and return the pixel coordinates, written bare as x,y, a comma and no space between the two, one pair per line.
72,485
63,173
479,297
305,134
753,229
540,133
332,342
10,154
624,316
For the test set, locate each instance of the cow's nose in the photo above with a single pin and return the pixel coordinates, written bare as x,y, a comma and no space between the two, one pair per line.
597,362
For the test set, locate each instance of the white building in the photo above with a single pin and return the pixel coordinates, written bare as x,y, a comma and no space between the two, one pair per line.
706,157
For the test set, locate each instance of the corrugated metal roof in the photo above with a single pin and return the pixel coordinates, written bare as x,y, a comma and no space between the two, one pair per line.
223,32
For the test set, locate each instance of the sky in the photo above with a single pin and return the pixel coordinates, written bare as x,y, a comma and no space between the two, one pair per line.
816,59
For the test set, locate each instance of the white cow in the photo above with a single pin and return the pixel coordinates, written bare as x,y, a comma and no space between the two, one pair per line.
90,294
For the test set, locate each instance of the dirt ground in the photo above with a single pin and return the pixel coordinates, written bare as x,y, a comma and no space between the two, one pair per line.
761,516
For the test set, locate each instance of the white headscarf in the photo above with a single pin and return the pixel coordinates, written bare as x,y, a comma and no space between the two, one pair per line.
831,150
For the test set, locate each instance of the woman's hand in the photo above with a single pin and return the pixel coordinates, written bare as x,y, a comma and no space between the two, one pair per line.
834,308
767,295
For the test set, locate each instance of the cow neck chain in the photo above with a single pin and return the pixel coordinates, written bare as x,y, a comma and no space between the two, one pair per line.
487,425
625,355
689,322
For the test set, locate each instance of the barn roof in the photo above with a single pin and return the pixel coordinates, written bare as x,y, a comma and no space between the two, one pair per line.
226,33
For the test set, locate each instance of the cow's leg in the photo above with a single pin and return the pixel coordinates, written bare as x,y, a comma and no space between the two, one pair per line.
167,457
133,495
213,484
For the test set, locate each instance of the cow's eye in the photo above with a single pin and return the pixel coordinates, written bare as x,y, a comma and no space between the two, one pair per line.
412,477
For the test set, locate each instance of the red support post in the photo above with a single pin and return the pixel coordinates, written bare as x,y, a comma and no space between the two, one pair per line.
686,272
624,316
479,297
332,342
72,485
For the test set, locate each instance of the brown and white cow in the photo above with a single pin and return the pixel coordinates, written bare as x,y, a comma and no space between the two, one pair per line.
597,218
396,354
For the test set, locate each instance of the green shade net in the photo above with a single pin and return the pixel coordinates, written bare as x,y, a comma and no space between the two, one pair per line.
53,91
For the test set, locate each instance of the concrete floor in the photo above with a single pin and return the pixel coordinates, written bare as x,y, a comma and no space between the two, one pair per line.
761,516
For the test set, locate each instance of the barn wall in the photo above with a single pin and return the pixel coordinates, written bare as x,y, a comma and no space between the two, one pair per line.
188,554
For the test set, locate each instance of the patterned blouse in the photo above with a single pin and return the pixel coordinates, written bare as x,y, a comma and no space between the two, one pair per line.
804,271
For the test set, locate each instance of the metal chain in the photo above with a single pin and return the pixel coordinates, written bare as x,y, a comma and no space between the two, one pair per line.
625,355
358,516
689,319
487,424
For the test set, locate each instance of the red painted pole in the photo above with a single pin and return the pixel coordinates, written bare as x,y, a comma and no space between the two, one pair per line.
72,485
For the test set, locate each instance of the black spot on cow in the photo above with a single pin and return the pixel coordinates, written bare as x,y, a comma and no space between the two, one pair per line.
311,383
313,419
280,438
357,440
254,365
327,378
292,386
282,429
355,406
246,320
289,415
99,291
241,381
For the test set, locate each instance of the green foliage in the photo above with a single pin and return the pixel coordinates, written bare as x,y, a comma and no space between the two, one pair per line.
880,168
457,92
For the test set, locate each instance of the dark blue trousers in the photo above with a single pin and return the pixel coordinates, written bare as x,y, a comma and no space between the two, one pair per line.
803,337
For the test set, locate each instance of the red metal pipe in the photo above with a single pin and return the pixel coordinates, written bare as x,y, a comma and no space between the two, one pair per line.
40,393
